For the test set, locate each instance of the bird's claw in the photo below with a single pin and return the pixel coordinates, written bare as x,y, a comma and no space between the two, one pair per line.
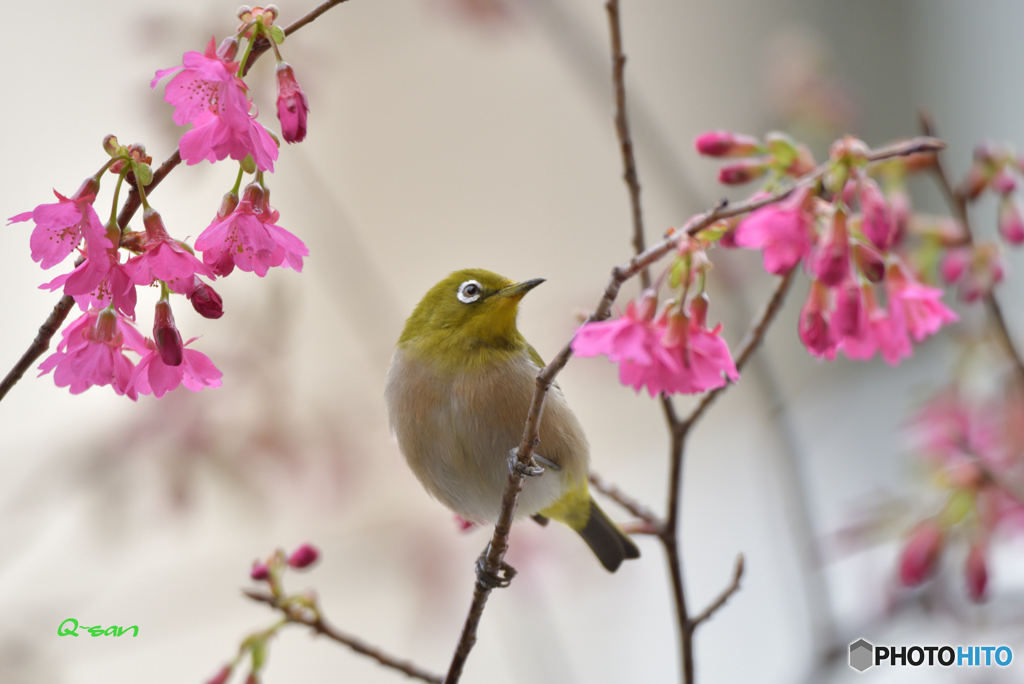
493,578
517,468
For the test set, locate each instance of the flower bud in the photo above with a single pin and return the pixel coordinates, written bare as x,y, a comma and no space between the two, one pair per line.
977,572
110,145
802,163
921,553
154,225
304,556
259,571
244,13
877,223
742,172
221,677
1003,182
89,187
166,335
832,262
1011,225
849,150
954,263
228,203
292,106
227,49
813,326
726,144
105,328
205,300
977,179
869,261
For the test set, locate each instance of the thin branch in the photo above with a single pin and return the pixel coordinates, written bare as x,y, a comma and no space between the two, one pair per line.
958,204
492,563
723,597
747,347
262,45
622,130
313,619
49,328
624,500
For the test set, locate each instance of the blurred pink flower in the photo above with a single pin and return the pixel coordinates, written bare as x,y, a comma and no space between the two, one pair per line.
919,306
976,572
781,229
304,556
90,353
921,553
726,144
878,224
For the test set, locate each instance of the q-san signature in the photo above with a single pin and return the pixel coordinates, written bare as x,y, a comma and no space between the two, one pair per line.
70,627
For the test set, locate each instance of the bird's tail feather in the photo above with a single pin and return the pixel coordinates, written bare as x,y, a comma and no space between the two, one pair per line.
606,540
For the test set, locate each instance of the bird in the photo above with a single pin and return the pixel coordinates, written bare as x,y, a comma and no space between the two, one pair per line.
457,394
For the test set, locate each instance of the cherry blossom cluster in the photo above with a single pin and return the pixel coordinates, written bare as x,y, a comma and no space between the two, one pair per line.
672,351
974,449
208,94
866,295
272,572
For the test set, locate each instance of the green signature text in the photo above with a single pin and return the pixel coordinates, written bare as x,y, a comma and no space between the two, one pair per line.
70,628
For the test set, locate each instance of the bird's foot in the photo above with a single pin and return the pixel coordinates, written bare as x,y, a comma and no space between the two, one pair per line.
530,469
493,578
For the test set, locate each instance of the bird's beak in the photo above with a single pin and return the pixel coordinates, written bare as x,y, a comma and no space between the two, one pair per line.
517,290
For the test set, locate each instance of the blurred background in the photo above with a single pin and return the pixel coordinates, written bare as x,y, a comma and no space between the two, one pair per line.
446,134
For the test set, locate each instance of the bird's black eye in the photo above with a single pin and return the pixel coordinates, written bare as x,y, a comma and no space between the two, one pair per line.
469,292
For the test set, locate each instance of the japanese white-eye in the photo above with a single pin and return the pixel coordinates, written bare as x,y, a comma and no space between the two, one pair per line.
457,394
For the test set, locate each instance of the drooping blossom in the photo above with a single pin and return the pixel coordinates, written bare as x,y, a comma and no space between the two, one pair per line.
921,553
165,259
692,360
153,376
61,225
1010,221
976,572
205,300
90,353
292,106
248,238
166,336
99,281
813,326
215,138
782,230
878,224
206,81
916,304
742,172
831,262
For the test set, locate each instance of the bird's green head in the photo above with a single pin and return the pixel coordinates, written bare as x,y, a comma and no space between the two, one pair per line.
468,315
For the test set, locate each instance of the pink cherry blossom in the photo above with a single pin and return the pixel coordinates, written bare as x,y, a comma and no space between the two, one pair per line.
153,376
61,225
832,256
165,259
919,306
248,239
693,360
877,224
292,106
206,82
813,326
782,230
215,138
91,353
99,281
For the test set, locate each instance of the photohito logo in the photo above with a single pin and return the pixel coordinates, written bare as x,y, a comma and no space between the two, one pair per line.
864,654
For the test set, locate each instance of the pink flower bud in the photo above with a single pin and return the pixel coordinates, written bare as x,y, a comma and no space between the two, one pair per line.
1011,225
166,335
304,556
813,326
227,205
877,223
205,300
850,150
977,572
221,677
1003,182
832,262
292,106
742,172
726,144
227,49
954,264
921,553
869,261
259,571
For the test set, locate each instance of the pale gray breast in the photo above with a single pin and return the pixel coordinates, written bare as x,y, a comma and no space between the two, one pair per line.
456,433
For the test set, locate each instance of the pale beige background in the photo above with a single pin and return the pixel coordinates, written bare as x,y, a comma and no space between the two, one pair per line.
437,143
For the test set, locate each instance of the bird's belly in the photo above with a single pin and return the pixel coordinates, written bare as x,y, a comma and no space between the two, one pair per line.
456,434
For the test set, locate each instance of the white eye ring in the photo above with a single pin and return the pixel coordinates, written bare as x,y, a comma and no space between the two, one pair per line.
469,292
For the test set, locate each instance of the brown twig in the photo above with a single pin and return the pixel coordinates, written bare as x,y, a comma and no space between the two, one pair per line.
314,620
626,501
262,45
131,204
492,563
723,597
958,204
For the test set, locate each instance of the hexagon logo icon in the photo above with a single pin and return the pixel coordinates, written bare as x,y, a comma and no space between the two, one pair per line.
861,653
